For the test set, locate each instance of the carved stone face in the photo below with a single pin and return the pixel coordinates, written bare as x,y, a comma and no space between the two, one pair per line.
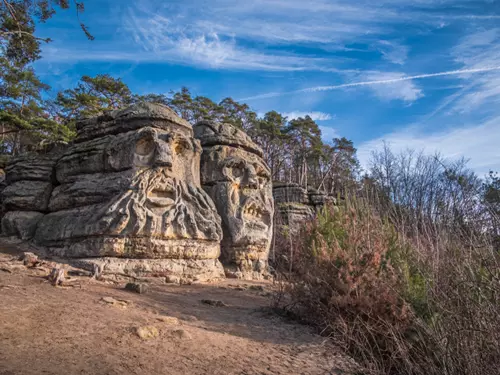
239,183
143,184
164,198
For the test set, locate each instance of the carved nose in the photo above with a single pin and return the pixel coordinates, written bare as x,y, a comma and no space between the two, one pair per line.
163,156
252,180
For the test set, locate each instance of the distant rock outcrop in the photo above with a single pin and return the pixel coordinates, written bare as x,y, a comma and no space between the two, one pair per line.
295,204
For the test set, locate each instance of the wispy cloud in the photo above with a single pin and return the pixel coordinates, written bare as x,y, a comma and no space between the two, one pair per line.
374,82
399,89
166,40
479,49
394,52
477,142
316,116
328,133
237,34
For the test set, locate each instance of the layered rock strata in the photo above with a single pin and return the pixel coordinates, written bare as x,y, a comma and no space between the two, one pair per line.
29,181
295,204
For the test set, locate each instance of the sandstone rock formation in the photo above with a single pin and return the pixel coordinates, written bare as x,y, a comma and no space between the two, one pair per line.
294,204
25,199
238,180
126,194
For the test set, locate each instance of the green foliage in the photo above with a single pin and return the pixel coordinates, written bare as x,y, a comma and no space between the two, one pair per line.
92,96
24,116
17,26
16,29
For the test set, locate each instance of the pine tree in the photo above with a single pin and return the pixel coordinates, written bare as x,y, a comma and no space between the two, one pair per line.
92,96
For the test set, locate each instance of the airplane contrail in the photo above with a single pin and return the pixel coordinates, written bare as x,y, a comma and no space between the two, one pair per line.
368,83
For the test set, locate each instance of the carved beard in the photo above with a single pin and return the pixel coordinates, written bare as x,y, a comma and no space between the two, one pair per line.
160,206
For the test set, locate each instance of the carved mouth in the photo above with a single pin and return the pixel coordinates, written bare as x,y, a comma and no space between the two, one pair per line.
161,198
256,217
162,195
253,211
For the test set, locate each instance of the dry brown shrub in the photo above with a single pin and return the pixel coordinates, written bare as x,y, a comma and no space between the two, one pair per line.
391,302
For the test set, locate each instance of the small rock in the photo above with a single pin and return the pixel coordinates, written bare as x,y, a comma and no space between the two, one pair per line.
147,332
137,287
190,318
109,300
79,273
29,259
213,302
182,334
96,271
115,302
173,279
56,276
168,319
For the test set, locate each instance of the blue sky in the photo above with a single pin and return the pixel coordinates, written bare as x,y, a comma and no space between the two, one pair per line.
349,64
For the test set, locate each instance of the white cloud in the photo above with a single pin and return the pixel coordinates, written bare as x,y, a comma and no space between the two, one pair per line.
394,52
479,143
477,50
237,34
405,90
328,133
316,116
207,51
166,39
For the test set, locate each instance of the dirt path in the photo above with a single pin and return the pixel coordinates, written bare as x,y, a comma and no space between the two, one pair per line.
71,330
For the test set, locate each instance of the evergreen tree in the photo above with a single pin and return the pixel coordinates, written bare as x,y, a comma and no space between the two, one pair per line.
305,137
24,119
92,96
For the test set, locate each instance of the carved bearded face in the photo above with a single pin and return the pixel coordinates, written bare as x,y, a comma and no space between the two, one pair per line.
239,183
163,198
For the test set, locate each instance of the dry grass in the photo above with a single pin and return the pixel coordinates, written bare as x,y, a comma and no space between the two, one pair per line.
397,304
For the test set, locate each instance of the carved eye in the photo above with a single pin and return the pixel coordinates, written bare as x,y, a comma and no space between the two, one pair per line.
144,146
262,176
237,171
180,147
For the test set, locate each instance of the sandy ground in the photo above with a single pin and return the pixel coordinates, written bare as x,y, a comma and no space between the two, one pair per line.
70,330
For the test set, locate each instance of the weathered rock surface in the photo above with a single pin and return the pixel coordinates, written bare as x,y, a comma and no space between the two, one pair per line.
31,167
238,180
27,195
21,224
29,179
132,118
126,193
183,271
295,204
